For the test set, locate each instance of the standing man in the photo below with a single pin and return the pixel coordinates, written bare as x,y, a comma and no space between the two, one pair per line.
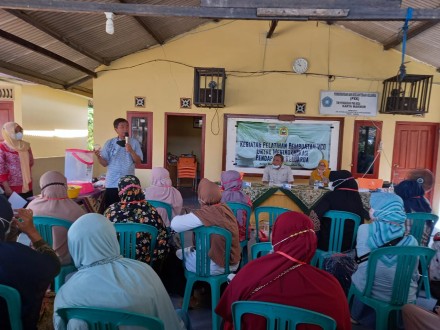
120,155
277,173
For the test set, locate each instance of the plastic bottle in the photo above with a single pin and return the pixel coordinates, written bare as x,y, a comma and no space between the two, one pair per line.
391,188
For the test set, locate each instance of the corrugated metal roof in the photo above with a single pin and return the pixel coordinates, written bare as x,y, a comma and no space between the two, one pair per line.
87,31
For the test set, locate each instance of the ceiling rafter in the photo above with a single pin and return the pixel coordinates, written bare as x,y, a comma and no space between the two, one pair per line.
412,32
38,78
356,12
44,28
159,40
273,26
45,52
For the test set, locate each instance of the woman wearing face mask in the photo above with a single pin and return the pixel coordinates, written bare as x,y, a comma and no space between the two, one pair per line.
16,161
344,197
388,215
320,174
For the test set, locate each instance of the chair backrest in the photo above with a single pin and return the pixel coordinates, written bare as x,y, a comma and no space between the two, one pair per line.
272,211
159,204
260,249
187,167
419,220
203,245
407,261
280,317
337,226
13,302
44,226
109,319
127,238
235,207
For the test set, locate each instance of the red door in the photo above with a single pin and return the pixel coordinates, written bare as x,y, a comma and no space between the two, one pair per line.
6,113
415,147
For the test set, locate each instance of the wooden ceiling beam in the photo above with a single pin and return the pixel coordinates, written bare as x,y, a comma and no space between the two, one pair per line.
45,52
136,9
77,82
273,26
145,26
38,78
44,28
412,32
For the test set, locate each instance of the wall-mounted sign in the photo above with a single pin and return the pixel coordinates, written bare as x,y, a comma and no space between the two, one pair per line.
348,103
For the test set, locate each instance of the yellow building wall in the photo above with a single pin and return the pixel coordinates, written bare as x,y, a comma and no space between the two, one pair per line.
165,74
45,108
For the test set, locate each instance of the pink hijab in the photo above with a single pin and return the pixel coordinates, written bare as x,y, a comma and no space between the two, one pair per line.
161,189
54,202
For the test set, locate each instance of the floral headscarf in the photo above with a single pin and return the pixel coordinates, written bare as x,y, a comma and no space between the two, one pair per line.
134,208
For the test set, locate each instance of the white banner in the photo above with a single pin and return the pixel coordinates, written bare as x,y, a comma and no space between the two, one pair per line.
348,103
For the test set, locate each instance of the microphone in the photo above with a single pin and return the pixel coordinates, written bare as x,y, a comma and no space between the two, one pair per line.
126,137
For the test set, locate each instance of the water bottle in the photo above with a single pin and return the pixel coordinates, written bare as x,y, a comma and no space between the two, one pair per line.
391,188
316,185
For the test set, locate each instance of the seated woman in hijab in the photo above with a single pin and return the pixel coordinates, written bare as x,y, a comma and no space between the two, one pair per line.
388,216
344,197
162,189
285,277
134,208
414,200
53,202
211,213
320,174
231,183
106,279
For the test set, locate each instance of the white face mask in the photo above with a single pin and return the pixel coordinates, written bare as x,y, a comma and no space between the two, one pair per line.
18,136
276,166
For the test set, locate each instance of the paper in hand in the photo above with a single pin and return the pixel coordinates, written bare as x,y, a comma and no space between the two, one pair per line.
16,201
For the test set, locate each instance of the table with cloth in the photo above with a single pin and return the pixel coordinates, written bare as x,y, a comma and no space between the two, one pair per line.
300,198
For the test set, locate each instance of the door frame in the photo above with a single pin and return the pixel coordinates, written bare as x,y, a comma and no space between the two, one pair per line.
203,128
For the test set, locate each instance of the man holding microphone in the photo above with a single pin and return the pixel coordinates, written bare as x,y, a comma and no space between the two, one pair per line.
119,155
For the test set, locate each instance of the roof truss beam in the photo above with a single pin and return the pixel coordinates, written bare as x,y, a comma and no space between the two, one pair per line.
44,28
412,32
146,27
273,26
45,52
355,13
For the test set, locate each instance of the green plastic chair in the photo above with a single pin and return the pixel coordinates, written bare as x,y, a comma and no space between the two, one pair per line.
280,317
44,226
162,205
235,207
203,267
260,249
338,222
127,238
273,212
419,220
108,318
407,261
13,302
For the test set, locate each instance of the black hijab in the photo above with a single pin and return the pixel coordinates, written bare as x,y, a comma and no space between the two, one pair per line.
6,215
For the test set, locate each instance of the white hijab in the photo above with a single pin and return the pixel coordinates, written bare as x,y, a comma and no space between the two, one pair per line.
106,279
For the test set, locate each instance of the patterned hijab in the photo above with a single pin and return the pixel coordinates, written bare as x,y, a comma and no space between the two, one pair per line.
231,182
389,218
22,148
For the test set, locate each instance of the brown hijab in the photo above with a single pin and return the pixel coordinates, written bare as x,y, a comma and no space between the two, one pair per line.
212,213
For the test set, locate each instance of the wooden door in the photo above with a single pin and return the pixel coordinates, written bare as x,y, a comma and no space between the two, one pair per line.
6,113
415,147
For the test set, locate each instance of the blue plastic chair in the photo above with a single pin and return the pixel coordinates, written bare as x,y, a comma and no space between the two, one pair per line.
108,318
260,249
337,226
273,212
13,302
162,205
235,207
203,266
44,226
419,221
280,317
407,261
127,238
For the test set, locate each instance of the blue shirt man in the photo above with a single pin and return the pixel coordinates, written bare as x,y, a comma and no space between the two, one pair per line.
120,159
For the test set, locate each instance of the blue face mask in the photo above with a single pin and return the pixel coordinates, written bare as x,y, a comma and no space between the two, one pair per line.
19,136
276,166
